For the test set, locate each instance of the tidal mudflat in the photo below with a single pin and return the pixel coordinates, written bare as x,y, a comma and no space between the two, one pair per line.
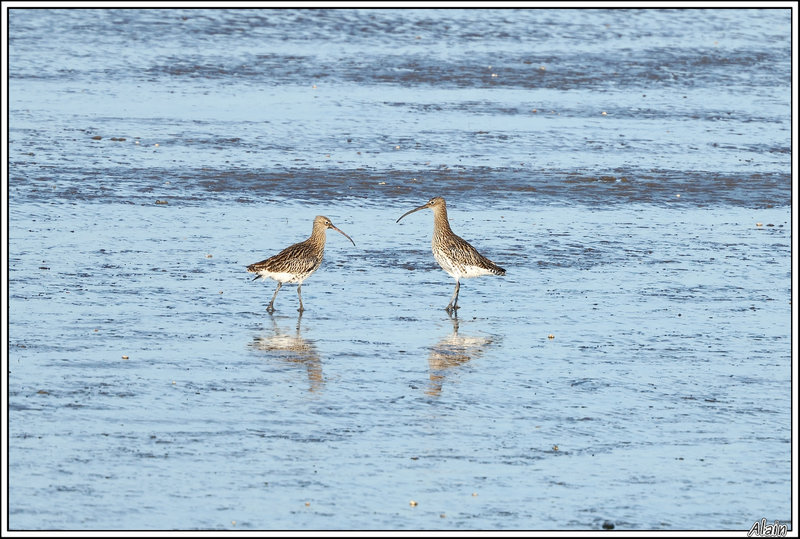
632,175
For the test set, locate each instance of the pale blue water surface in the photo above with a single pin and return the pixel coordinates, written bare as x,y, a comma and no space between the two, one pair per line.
630,169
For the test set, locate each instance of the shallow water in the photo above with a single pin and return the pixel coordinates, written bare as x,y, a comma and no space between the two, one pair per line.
633,366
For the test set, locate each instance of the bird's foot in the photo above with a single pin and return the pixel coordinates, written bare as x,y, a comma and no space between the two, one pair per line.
270,308
300,310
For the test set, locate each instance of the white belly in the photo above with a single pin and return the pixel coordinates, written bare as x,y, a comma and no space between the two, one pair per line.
460,271
282,277
474,271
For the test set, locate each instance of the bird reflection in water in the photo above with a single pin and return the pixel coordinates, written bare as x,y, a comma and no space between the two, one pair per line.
449,353
293,348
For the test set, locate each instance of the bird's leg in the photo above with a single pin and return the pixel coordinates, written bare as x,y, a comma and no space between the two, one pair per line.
451,307
301,298
270,308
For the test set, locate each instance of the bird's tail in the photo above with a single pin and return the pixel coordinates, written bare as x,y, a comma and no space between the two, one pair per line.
254,268
490,266
497,270
494,268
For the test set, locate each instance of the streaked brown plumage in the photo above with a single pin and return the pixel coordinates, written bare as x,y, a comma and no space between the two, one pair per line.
454,254
297,262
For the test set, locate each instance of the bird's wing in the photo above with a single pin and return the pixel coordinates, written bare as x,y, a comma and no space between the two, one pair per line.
461,250
297,258
466,255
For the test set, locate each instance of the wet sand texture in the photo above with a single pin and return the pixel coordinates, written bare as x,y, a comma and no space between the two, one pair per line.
630,171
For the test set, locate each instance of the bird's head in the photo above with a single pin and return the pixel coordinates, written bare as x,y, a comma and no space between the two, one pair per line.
434,203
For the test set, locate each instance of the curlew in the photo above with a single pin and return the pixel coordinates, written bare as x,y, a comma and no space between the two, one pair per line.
296,263
454,255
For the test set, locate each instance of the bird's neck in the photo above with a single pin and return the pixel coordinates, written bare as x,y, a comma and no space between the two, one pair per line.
440,222
318,235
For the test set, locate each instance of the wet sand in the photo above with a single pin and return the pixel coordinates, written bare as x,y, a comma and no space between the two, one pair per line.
632,174
663,362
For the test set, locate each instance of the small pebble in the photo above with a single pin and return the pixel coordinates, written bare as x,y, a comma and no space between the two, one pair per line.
97,137
474,493
607,525
127,357
412,503
551,336
604,113
308,504
759,224
555,448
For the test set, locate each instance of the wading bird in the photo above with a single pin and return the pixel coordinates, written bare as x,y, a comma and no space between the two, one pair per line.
296,263
455,255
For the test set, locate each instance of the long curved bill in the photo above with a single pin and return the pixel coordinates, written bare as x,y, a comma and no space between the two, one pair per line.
412,211
343,234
